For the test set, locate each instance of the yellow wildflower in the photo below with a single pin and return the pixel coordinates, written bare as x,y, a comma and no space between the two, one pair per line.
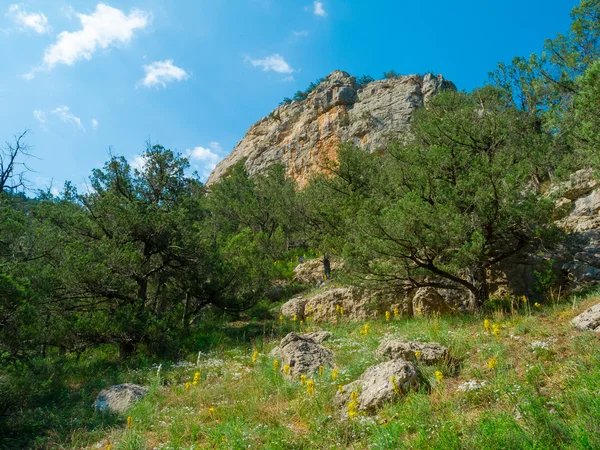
334,374
301,322
487,326
340,388
187,386
341,310
393,381
129,421
295,317
280,318
496,330
537,305
286,369
354,395
418,354
302,379
254,356
352,409
320,371
196,381
211,411
275,365
310,387
524,299
108,446
439,376
388,315
492,363
396,313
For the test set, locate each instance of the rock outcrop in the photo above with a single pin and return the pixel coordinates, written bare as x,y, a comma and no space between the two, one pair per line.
428,301
319,336
377,385
294,308
351,303
312,271
316,336
589,319
573,263
302,354
117,399
304,135
423,352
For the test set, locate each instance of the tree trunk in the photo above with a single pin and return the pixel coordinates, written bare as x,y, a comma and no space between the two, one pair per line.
480,291
186,319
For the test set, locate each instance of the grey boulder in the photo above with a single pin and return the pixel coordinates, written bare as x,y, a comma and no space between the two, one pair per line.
117,399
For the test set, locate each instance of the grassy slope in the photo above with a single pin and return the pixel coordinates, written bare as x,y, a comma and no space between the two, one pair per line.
534,398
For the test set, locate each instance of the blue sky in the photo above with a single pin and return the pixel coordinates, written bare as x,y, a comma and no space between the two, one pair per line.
193,75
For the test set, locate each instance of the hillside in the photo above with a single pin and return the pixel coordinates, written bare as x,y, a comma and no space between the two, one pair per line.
533,385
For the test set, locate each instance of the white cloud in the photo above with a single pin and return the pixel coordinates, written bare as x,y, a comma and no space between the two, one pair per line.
104,28
63,113
208,158
216,146
302,33
138,162
274,63
25,20
40,116
162,72
289,79
319,10
68,11
95,124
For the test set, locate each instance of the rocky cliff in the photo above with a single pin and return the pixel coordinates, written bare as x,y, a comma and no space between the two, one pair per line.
304,134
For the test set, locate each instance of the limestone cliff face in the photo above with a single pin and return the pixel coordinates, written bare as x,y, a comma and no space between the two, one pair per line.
303,135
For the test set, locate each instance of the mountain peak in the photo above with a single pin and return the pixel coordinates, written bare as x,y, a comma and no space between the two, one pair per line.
303,134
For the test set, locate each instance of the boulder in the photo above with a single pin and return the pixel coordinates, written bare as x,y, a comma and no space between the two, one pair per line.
117,399
377,385
294,307
428,301
317,336
312,271
589,319
356,303
303,355
430,352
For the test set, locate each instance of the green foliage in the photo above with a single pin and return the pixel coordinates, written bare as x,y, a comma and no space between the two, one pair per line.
454,198
586,114
545,277
363,80
390,74
553,86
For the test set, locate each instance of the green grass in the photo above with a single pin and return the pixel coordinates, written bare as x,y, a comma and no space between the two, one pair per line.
543,393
